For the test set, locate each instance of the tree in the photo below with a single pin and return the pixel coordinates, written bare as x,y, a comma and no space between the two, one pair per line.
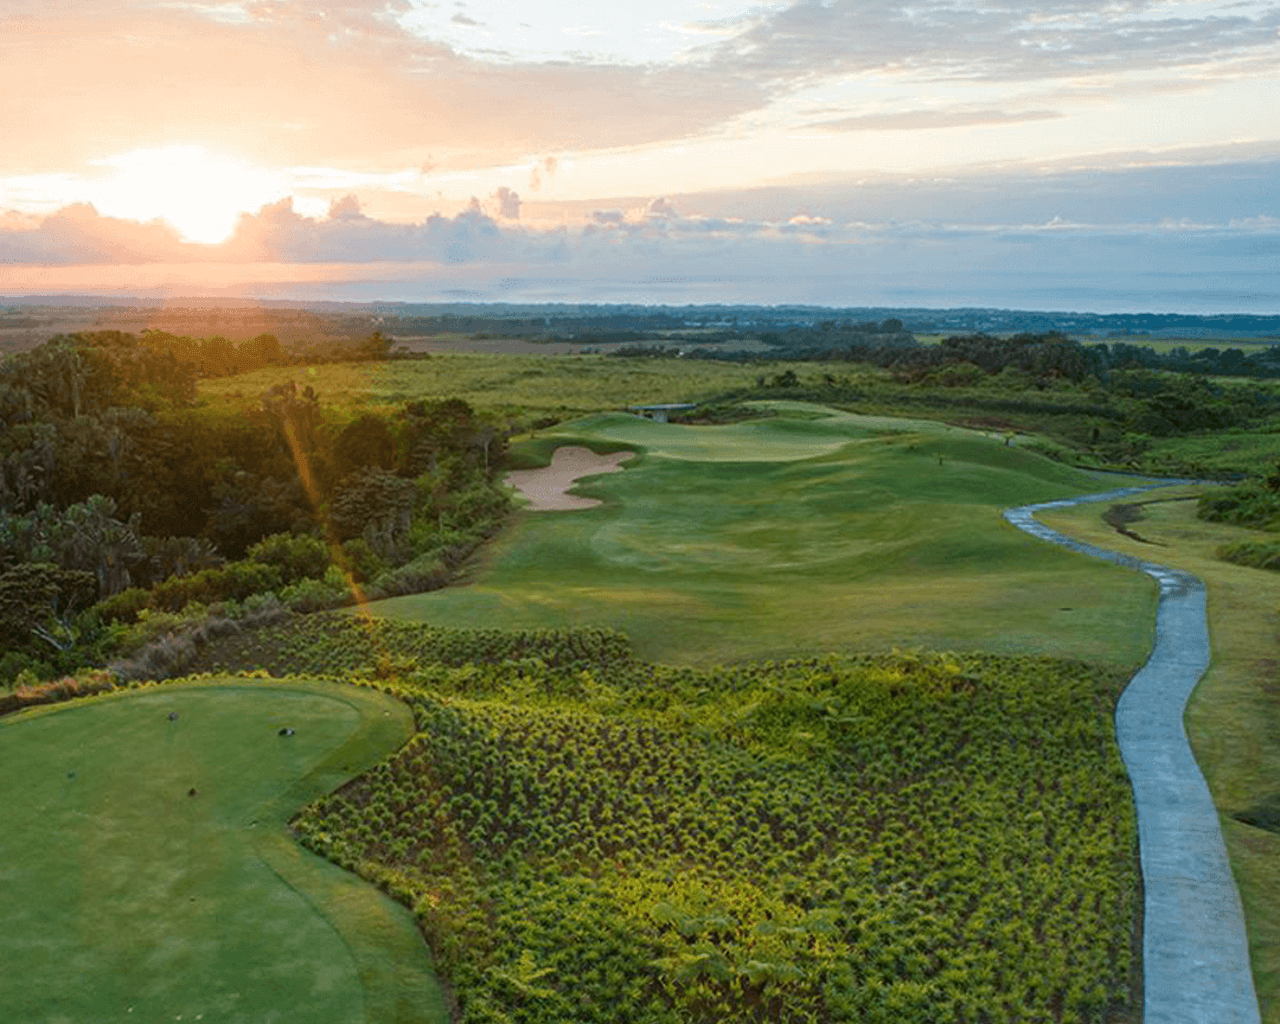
37,600
366,441
376,346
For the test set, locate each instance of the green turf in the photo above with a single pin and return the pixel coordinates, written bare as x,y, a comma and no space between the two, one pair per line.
803,533
127,899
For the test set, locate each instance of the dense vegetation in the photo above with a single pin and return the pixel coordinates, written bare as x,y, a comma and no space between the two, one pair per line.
1042,354
109,466
890,839
337,642
1097,405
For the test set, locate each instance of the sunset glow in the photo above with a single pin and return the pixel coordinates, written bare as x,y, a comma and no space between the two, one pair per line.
578,153
200,193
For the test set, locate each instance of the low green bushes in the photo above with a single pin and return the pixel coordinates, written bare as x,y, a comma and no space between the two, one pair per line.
231,582
1260,554
339,642
1253,503
914,839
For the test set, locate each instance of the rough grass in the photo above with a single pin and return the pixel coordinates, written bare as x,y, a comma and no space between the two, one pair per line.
797,535
1233,717
571,385
126,898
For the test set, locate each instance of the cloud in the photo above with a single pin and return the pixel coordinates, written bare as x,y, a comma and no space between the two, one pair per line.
1021,237
346,208
506,203
1005,41
325,83
660,208
547,165
1063,263
908,120
79,234
343,82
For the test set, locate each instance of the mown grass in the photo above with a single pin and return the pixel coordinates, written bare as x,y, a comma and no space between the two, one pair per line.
1233,717
797,535
127,898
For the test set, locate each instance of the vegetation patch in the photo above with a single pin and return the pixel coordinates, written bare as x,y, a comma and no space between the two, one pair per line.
337,643
898,839
1261,554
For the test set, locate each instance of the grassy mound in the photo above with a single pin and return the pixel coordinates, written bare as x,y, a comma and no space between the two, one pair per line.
805,532
148,876
911,840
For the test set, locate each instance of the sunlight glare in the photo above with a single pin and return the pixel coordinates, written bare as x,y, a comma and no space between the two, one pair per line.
200,193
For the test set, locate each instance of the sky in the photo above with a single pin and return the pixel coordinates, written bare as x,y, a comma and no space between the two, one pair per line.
1093,155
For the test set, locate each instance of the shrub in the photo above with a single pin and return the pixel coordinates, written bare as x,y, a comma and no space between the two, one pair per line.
313,596
956,375
235,581
123,607
1252,503
164,657
362,561
1259,554
426,572
298,557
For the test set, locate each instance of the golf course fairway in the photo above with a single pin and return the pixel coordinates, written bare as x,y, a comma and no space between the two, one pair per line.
146,874
811,531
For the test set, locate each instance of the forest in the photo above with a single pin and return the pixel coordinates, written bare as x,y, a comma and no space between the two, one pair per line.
121,500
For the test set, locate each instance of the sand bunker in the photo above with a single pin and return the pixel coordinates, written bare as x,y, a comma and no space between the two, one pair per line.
545,488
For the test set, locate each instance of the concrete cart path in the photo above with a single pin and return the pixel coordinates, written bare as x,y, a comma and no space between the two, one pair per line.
1195,954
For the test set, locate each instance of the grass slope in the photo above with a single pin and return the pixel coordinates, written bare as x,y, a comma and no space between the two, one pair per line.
1232,719
126,898
811,531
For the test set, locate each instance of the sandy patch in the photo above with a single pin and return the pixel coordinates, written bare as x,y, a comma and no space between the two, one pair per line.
546,488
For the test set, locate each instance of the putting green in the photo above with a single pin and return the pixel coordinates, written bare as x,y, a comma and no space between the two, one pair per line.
145,874
813,531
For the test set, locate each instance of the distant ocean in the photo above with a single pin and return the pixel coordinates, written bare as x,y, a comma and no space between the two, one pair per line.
1191,294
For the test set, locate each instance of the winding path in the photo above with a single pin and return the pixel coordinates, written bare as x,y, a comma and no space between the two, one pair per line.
1195,953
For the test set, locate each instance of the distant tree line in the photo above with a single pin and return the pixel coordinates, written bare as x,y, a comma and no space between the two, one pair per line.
218,357
1044,356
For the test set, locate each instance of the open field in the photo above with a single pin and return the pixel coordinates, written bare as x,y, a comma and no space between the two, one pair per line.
1232,718
808,532
569,384
1166,345
127,898
1162,345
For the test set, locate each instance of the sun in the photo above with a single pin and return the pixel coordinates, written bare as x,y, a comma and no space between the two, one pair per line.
200,193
